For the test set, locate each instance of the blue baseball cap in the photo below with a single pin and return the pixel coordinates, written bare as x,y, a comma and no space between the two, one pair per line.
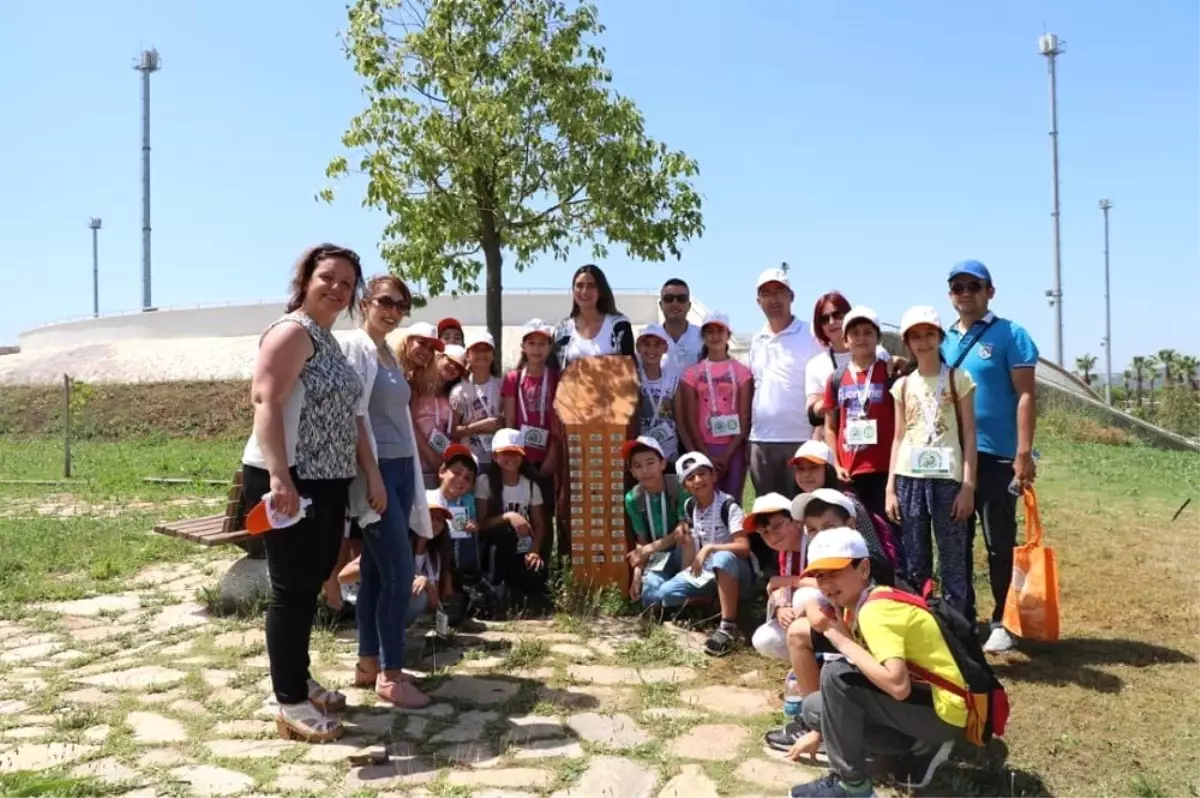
973,268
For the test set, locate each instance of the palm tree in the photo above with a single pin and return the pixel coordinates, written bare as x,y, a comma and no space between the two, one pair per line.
1084,365
1138,366
1185,370
1152,366
1169,360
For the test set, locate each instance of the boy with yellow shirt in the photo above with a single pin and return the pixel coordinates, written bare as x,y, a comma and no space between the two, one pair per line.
868,704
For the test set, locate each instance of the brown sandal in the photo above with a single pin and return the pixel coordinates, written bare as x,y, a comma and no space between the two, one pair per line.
306,723
325,700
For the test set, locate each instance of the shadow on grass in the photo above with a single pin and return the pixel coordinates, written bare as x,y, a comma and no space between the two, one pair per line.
1074,661
984,772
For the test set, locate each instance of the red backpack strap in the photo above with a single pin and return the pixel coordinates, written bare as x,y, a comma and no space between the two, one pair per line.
897,595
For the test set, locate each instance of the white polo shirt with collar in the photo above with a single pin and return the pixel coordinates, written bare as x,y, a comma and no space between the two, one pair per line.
778,362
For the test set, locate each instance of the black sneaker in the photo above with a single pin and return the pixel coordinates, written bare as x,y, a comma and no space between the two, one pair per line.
719,643
918,769
783,739
828,787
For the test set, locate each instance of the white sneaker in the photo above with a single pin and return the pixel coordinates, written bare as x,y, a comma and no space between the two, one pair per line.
999,640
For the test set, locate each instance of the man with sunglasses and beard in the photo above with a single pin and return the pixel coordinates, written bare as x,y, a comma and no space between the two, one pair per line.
675,299
1001,358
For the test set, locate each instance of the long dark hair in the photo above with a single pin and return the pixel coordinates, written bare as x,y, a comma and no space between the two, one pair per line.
605,303
307,264
495,502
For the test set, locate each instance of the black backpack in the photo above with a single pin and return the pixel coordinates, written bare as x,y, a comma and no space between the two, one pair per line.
987,703
689,507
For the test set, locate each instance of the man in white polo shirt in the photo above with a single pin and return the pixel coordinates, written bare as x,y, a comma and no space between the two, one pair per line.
779,353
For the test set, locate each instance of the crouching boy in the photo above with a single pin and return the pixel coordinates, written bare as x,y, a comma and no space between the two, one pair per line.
868,704
653,509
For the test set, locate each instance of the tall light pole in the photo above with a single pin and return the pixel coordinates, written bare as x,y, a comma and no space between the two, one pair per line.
94,224
1105,205
147,63
1051,47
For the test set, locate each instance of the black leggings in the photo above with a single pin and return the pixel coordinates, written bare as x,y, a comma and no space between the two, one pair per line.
510,568
299,560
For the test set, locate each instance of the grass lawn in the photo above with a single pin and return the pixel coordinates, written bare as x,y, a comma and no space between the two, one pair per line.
1111,709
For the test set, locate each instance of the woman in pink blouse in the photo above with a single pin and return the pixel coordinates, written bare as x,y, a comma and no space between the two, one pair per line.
714,398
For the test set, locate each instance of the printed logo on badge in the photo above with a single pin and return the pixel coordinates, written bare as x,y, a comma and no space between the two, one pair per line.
985,351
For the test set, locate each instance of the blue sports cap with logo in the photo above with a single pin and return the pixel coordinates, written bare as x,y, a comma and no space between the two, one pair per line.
973,268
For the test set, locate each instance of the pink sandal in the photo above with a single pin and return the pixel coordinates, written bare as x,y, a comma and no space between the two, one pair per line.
401,694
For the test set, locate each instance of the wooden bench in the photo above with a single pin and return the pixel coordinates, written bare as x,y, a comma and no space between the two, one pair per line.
218,530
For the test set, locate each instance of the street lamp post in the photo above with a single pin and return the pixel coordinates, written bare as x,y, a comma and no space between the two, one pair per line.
94,224
147,64
1051,46
1105,206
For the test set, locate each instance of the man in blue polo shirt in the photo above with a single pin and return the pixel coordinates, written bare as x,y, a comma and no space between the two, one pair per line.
1001,358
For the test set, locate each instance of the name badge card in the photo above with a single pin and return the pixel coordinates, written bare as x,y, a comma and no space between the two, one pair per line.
861,432
725,426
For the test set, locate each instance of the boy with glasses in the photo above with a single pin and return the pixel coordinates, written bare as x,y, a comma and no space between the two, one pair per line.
675,300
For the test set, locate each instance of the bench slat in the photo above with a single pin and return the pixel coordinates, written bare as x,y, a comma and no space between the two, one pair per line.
212,530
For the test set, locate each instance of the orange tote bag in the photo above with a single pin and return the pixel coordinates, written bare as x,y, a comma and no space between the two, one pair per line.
1031,609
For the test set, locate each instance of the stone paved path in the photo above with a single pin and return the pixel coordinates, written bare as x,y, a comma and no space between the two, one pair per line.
143,691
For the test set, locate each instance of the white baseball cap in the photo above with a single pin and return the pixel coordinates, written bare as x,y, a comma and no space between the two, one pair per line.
719,319
642,441
655,330
508,440
834,549
861,313
814,452
773,276
766,504
437,501
687,464
918,315
825,495
537,327
456,354
480,338
424,329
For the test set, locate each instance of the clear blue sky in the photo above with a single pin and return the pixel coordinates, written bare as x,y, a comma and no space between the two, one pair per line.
870,145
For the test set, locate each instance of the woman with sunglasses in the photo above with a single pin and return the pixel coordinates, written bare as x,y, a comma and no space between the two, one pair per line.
828,313
385,499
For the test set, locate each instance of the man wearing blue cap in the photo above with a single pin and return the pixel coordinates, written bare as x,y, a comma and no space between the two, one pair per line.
1001,358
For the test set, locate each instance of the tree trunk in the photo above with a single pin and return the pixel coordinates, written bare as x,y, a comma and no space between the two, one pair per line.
489,241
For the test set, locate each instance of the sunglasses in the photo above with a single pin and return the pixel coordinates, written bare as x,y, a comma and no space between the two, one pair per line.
826,318
387,303
668,299
969,287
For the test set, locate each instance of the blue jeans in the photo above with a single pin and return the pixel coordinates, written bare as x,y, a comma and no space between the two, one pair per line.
653,581
677,590
387,570
417,606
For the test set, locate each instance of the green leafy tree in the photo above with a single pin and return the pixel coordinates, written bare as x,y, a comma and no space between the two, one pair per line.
1084,365
492,131
1139,367
1186,368
1168,359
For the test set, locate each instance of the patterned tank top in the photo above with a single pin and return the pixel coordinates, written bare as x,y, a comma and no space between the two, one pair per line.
328,430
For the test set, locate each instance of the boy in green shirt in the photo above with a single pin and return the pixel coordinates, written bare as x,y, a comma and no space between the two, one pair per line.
653,509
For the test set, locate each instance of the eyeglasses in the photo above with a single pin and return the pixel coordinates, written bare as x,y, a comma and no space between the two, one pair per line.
668,299
969,287
387,303
826,318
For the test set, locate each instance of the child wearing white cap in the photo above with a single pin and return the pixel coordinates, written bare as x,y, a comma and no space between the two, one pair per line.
714,556
657,383
513,519
931,483
475,400
653,506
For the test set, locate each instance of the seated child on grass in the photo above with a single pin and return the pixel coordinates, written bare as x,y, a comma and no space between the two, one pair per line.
464,567
653,509
714,554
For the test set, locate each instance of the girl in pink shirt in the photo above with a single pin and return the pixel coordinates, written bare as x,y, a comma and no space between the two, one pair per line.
715,397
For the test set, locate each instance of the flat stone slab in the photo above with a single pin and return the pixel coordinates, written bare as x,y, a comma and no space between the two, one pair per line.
483,663
97,734
209,781
327,753
781,775
299,778
712,743
244,728
217,678
25,733
13,707
551,748
671,713
476,754
524,728
404,768
42,756
248,749
28,653
580,697
371,722
612,777
96,634
469,726
727,700
109,770
690,783
476,690
528,778
91,607
151,729
162,758
604,674
136,678
180,616
573,651
614,731
241,638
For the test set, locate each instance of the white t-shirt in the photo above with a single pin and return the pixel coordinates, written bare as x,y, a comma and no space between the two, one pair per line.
778,363
517,498
476,403
707,524
686,351
821,368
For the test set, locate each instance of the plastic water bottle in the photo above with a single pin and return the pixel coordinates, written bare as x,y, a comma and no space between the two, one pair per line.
791,696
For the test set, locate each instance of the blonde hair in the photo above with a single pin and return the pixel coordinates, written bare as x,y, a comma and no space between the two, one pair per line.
424,381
